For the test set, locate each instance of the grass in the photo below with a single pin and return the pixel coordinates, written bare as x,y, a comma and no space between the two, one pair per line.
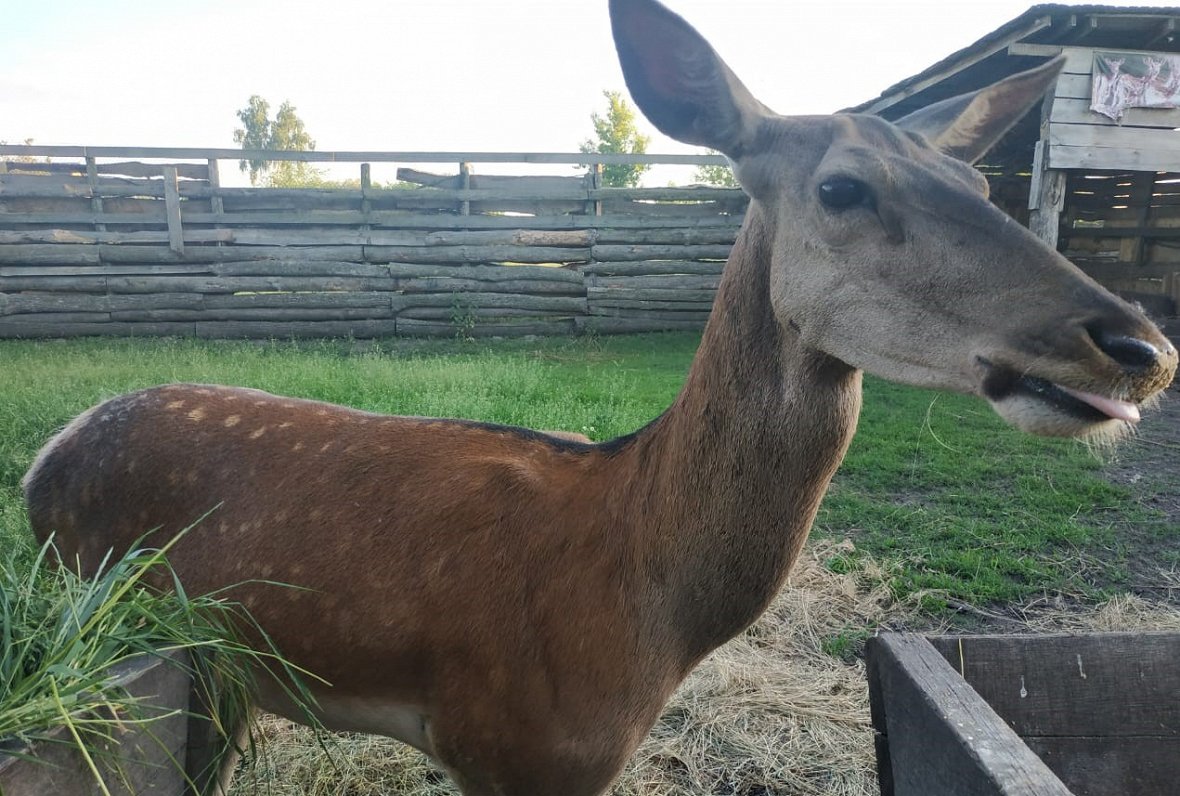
63,640
968,507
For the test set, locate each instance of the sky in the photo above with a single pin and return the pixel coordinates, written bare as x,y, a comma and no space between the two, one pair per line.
450,75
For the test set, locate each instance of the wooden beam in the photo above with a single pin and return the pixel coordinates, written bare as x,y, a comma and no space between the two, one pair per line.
354,156
950,70
941,736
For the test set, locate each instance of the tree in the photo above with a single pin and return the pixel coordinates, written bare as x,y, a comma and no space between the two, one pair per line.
616,133
720,175
285,132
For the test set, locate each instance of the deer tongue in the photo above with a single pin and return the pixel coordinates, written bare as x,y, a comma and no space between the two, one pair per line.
1111,407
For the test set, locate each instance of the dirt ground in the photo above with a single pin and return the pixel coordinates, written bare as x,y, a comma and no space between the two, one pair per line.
1149,465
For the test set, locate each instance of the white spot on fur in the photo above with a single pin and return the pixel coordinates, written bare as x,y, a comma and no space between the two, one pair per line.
197,415
232,421
298,446
174,405
258,432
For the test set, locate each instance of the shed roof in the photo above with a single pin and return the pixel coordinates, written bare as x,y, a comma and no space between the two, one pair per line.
987,60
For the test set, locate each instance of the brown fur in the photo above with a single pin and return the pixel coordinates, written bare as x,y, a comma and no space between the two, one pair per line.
529,601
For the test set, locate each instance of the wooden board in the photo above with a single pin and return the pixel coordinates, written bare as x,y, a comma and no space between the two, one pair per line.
938,734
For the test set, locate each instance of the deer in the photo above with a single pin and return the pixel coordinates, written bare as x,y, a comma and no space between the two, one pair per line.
518,606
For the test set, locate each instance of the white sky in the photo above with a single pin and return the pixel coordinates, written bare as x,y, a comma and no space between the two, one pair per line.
473,75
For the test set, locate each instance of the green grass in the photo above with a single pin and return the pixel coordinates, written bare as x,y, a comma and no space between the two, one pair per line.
970,507
62,638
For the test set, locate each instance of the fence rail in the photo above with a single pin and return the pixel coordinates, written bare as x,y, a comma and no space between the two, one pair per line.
92,243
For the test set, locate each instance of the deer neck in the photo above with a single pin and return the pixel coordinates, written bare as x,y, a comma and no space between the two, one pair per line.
729,479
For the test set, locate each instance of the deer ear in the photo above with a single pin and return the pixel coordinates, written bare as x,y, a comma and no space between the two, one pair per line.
967,126
679,82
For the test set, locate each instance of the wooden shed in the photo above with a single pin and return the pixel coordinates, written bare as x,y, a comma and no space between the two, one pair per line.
1105,191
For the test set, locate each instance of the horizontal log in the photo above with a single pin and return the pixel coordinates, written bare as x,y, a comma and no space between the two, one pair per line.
193,171
436,285
507,183
594,294
37,253
475,254
58,317
625,253
486,273
692,236
412,327
195,284
138,212
86,236
662,281
295,329
651,314
335,236
82,302
351,156
298,268
561,304
226,254
257,314
459,315
301,300
603,306
49,329
130,269
646,267
652,210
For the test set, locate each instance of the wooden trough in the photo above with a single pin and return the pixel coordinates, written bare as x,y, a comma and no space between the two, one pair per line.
1086,715
164,756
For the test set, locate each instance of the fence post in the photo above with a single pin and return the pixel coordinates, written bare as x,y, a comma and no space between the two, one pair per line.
596,181
95,199
366,204
172,208
465,185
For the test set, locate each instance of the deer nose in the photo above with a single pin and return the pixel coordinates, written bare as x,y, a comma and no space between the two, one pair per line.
1133,354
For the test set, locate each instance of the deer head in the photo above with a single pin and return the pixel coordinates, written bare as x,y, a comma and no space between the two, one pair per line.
885,251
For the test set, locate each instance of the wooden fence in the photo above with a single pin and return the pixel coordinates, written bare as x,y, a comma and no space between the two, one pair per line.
146,241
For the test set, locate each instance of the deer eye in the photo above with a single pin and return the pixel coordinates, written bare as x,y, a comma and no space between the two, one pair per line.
841,193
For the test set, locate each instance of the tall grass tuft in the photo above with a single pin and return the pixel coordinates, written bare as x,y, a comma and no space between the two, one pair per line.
62,637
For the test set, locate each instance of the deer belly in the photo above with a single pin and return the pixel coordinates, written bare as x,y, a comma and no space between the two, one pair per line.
405,723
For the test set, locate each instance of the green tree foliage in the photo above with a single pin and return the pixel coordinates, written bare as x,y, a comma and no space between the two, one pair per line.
720,175
616,133
285,132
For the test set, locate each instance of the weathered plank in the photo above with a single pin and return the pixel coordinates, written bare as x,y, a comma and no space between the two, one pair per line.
142,759
446,285
561,304
36,253
651,313
129,269
603,306
1077,111
649,294
475,254
1103,766
83,302
297,268
1102,684
632,253
941,736
477,313
67,236
412,327
487,273
200,284
679,237
663,281
645,267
